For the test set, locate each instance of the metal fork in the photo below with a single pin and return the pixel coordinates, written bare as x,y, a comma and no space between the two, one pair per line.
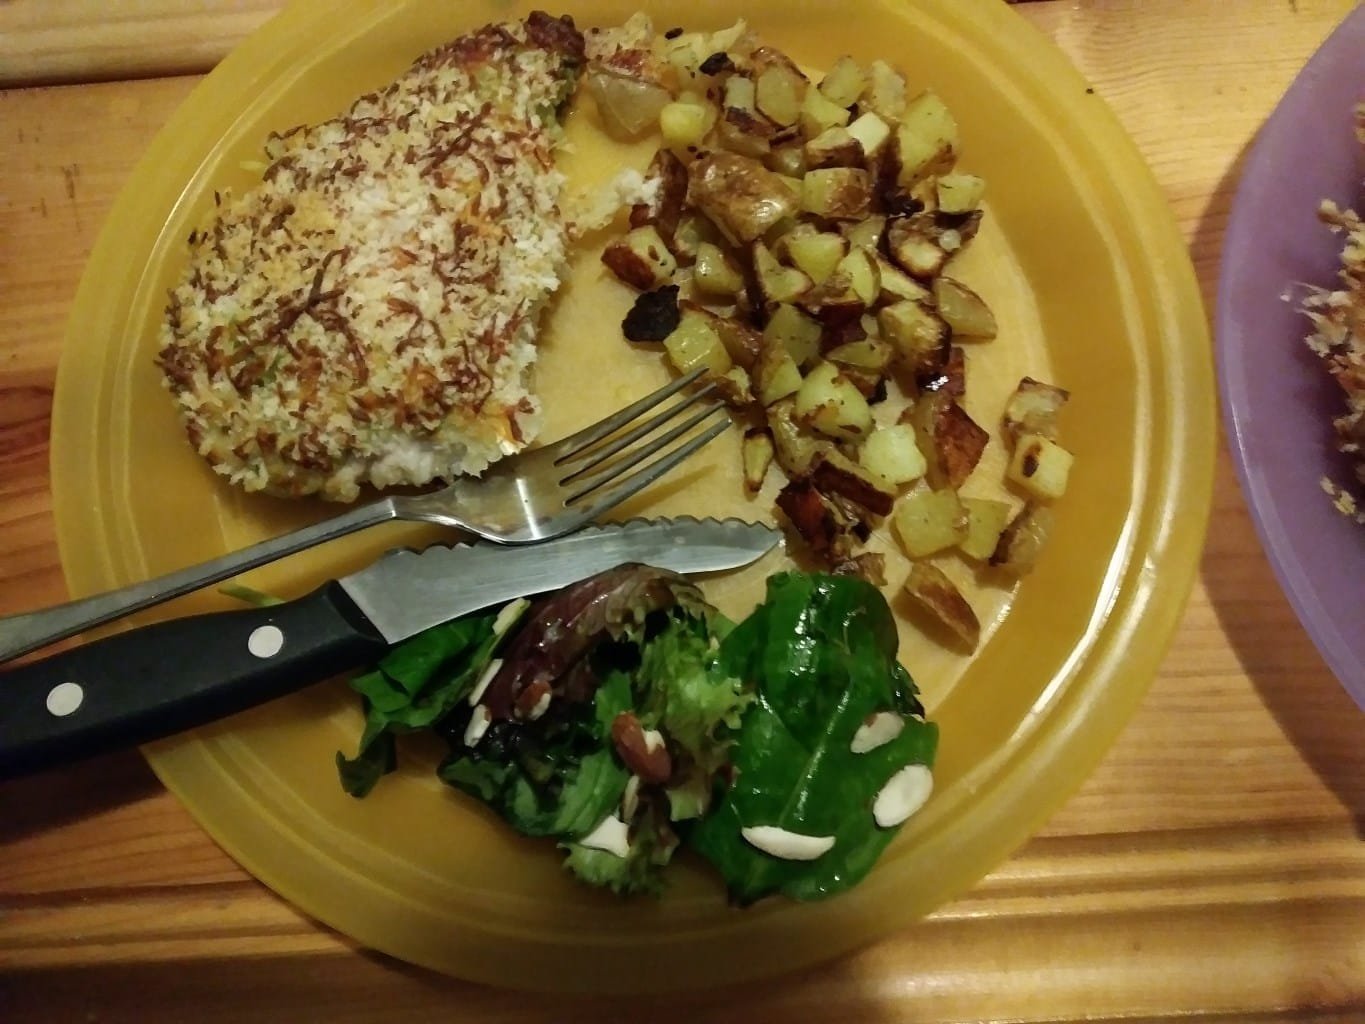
529,497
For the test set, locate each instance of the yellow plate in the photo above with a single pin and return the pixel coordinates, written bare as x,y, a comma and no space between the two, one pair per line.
1082,262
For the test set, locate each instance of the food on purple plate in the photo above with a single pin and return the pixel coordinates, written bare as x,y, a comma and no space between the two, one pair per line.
1338,337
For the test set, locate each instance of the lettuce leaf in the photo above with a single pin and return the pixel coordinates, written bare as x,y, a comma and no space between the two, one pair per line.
822,652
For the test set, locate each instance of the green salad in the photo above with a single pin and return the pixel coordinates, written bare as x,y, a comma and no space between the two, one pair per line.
624,717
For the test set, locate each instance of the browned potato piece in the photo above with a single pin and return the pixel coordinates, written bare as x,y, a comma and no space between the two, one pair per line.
734,386
628,106
794,449
844,83
835,473
1033,409
742,129
816,519
818,114
666,211
949,438
893,454
741,341
919,335
865,362
776,283
779,92
1040,466
757,455
864,277
928,521
816,253
950,378
965,311
911,244
693,230
775,373
830,403
866,233
686,124
834,303
1022,541
741,196
986,521
788,159
837,193
935,594
833,147
715,274
872,133
959,193
926,139
797,332
640,259
897,285
885,91
693,343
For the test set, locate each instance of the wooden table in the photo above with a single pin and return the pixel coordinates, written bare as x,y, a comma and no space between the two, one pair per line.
1213,865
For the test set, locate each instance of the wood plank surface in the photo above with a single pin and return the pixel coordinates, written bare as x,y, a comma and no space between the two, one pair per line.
1212,867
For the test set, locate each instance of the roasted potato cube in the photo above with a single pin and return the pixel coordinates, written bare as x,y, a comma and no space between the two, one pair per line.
951,378
756,452
835,473
735,387
742,129
1039,465
834,303
693,229
910,242
627,106
816,519
950,438
935,594
986,520
741,196
640,259
819,114
714,273
885,91
965,311
928,521
829,403
816,253
779,91
1023,539
695,343
959,193
685,124
863,275
864,353
837,193
893,454
926,140
844,83
866,233
788,160
776,374
833,147
1033,409
665,212
897,285
918,334
741,341
795,331
794,449
776,283
871,132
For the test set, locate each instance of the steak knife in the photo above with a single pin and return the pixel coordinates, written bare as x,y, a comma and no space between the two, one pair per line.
160,679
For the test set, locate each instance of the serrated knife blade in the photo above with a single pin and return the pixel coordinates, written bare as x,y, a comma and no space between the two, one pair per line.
406,592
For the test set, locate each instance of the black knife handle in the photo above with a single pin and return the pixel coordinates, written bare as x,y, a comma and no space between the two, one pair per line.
158,680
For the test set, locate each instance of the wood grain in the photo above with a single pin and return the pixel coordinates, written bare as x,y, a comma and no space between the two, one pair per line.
1212,866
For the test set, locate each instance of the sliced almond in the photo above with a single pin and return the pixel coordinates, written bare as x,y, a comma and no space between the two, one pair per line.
611,836
630,798
509,614
904,794
780,843
476,694
879,729
479,722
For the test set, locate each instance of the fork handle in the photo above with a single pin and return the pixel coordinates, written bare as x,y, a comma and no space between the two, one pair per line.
20,634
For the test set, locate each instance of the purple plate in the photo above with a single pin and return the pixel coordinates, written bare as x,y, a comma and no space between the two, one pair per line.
1277,397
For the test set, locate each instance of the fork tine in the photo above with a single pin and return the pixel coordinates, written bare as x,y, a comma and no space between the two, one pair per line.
595,455
567,446
584,484
635,483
